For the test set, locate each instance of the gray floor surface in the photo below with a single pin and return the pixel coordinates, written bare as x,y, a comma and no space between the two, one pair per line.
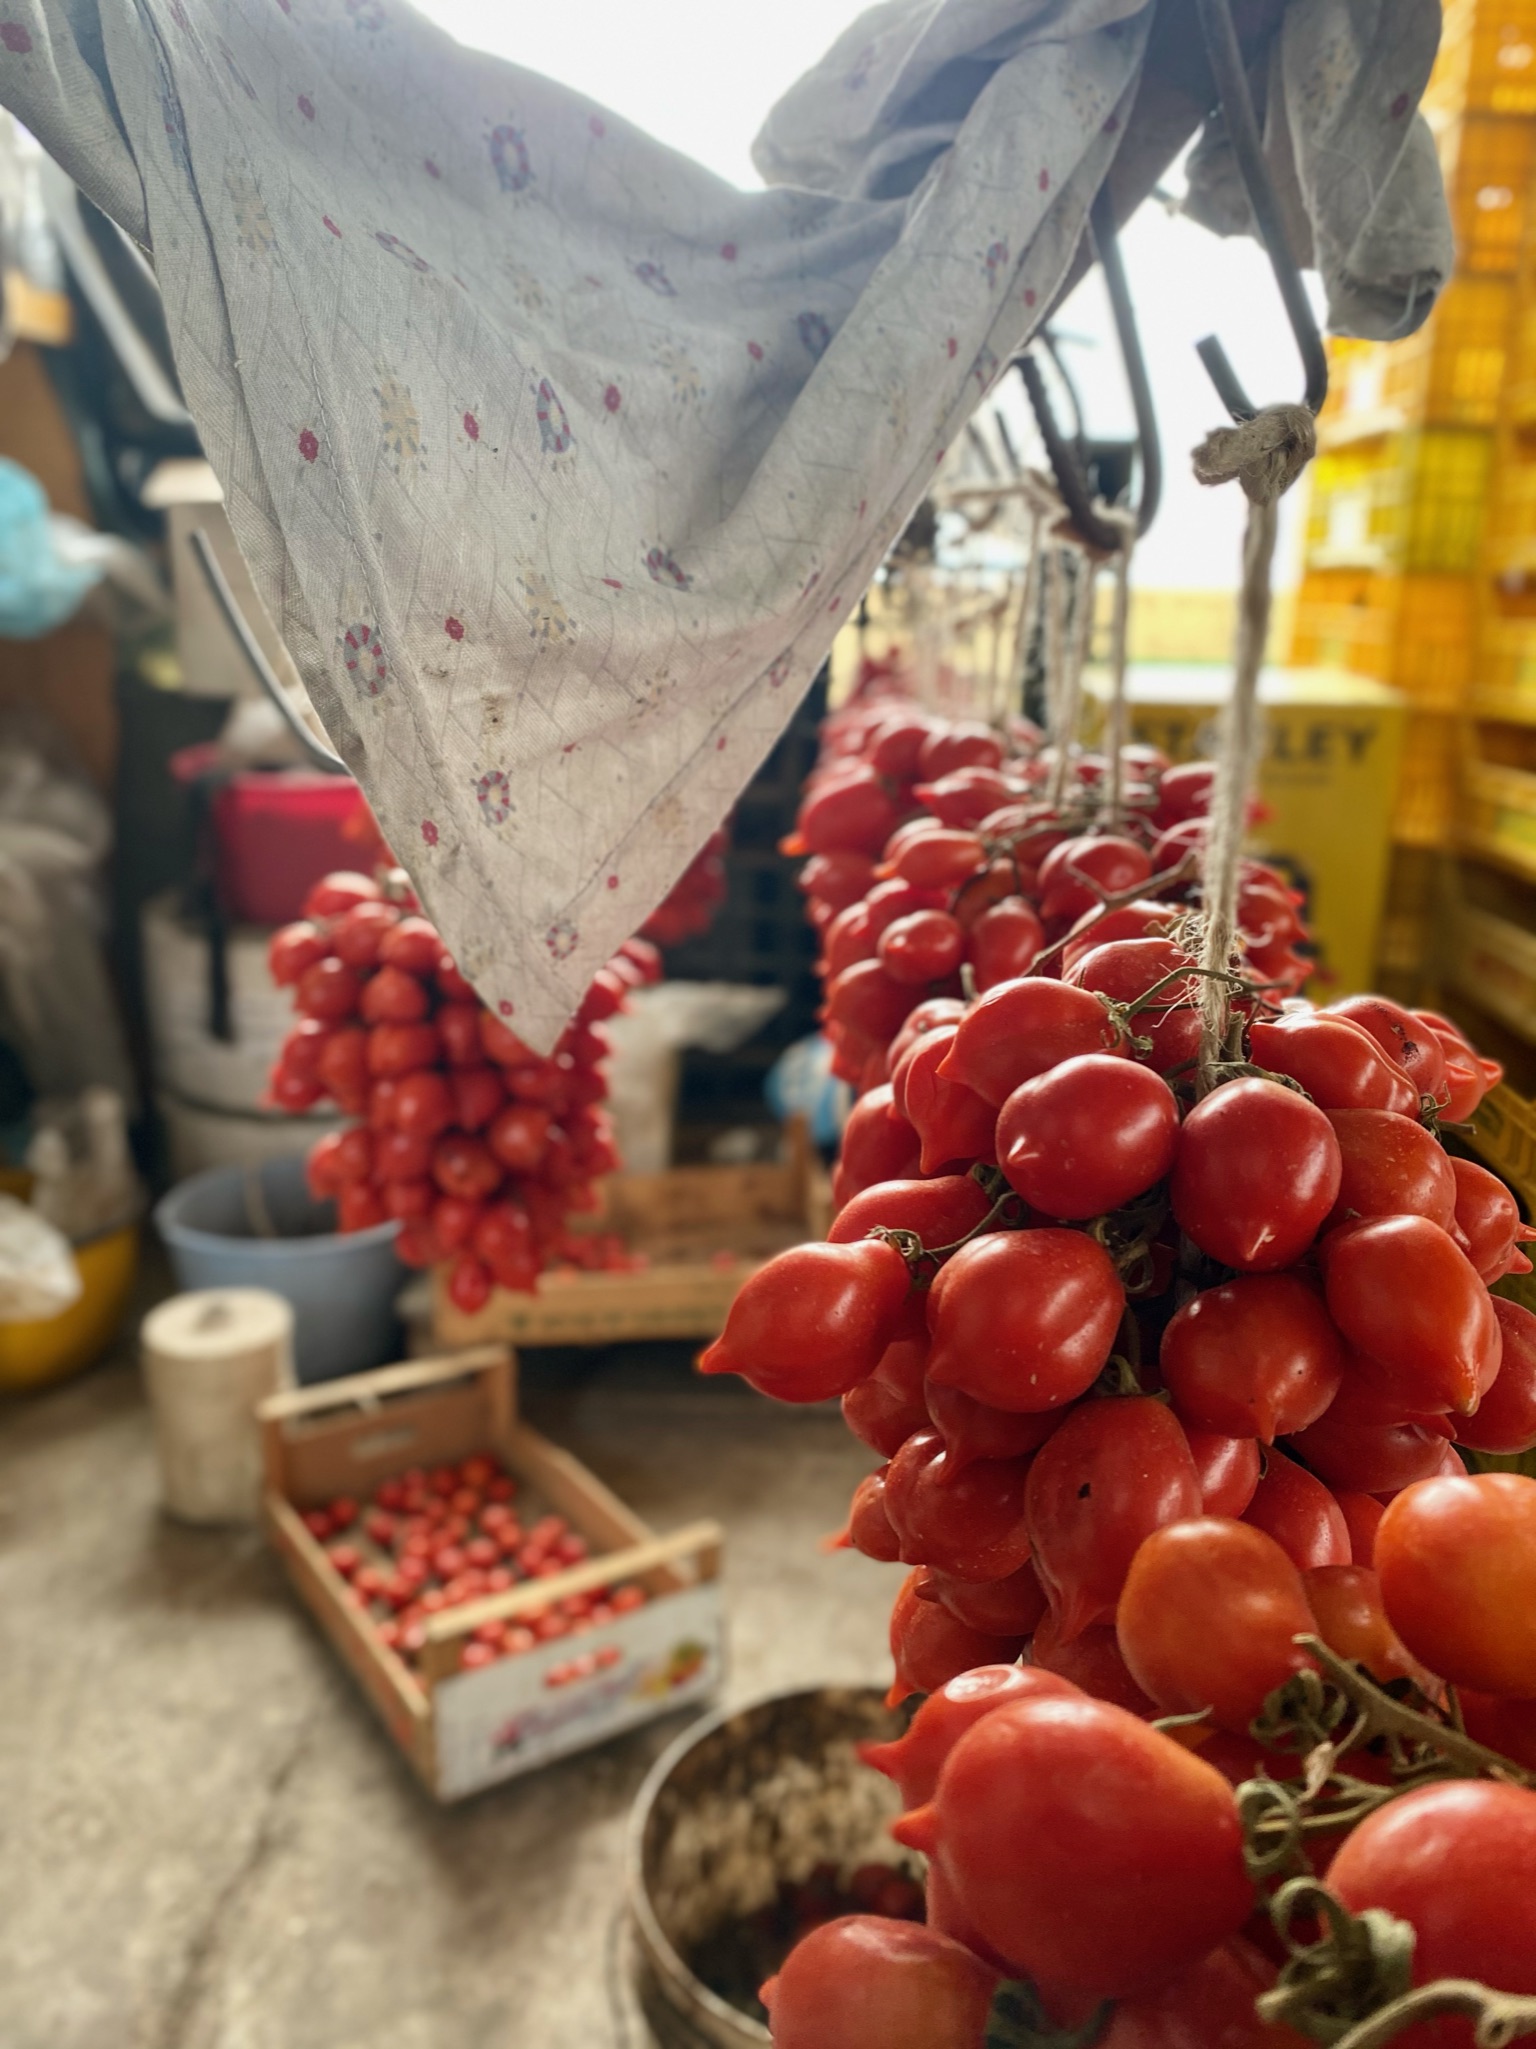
207,1842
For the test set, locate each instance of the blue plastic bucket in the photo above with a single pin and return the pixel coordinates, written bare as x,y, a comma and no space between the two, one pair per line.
259,1227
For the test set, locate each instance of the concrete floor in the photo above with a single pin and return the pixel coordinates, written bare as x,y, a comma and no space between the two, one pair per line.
207,1842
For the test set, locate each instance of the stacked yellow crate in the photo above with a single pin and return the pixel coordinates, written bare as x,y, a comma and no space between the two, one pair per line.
1407,455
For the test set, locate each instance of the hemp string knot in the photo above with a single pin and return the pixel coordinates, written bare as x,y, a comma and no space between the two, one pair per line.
1266,454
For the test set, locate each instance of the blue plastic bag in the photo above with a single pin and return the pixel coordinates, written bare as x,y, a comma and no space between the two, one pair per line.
39,588
801,1079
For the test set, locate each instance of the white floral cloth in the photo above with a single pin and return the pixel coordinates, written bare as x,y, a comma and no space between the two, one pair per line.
556,460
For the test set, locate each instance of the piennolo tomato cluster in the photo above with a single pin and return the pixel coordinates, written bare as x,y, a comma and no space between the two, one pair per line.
1166,1363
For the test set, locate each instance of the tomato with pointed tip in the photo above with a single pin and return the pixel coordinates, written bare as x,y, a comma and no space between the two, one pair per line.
1024,1320
941,1210
1077,875
853,813
1089,1136
1134,1866
955,1126
1489,1219
955,744
938,857
969,1523
1021,1029
863,1980
1003,942
1208,1618
923,947
1257,1172
1339,1064
814,1321
1256,1357
869,1527
1410,1303
1228,1468
1505,1421
1391,1167
1457,1862
1417,1051
1125,970
1112,1473
1457,1559
972,1429
1369,1443
913,1761
930,1647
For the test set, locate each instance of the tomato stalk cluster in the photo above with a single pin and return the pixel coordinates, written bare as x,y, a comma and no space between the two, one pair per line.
1169,1431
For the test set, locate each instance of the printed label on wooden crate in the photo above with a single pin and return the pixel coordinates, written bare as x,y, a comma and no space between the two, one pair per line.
523,1712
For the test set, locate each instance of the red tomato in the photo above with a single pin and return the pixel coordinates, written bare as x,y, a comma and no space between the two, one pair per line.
1021,1029
335,894
469,1284
940,1211
897,741
1003,942
458,1025
925,947
884,1410
1125,969
971,1429
477,1096
358,1207
1092,1661
1257,1357
405,1199
1411,1305
1457,1861
416,1243
463,1166
322,1174
932,1011
997,1607
914,1760
853,814
1024,1320
354,1156
359,931
938,857
862,1980
957,744
299,1054
1076,875
1506,1417
422,1104
414,945
1228,1468
1088,1136
1299,1513
865,997
451,985
1257,1172
342,1066
1351,1620
328,989
1134,1867
1489,1219
292,1092
1457,1559
392,996
1111,1474
955,1126
1339,1064
1507,1726
395,1049
1209,2006
837,880
869,1527
1398,1033
292,949
502,1045
1184,791
1391,1167
1367,1444
969,1523
1208,1617
929,1647
1362,1515
519,1137
814,1321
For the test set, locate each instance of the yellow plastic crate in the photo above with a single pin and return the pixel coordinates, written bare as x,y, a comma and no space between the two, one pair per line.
1427,781
1494,961
1415,632
1498,815
1487,60
1487,161
1504,1135
1449,374
1401,503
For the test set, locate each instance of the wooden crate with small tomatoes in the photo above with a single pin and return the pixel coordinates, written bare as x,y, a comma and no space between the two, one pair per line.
696,1234
496,1602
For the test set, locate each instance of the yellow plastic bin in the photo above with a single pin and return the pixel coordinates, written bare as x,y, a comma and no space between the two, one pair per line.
37,1354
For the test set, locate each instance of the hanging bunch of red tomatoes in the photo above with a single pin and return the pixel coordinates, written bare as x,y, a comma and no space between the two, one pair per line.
695,897
479,1147
1165,1368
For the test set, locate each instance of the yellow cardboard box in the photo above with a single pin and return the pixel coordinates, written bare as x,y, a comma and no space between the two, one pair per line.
1327,781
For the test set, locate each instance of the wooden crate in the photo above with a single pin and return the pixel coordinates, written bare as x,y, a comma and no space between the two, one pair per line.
463,1730
702,1230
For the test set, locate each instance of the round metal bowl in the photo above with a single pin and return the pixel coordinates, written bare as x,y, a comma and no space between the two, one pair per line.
743,1801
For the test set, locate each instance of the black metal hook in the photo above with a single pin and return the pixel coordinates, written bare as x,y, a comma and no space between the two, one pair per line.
1065,459
1226,60
260,667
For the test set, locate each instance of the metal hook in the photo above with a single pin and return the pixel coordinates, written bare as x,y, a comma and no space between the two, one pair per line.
1065,460
1226,60
260,667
